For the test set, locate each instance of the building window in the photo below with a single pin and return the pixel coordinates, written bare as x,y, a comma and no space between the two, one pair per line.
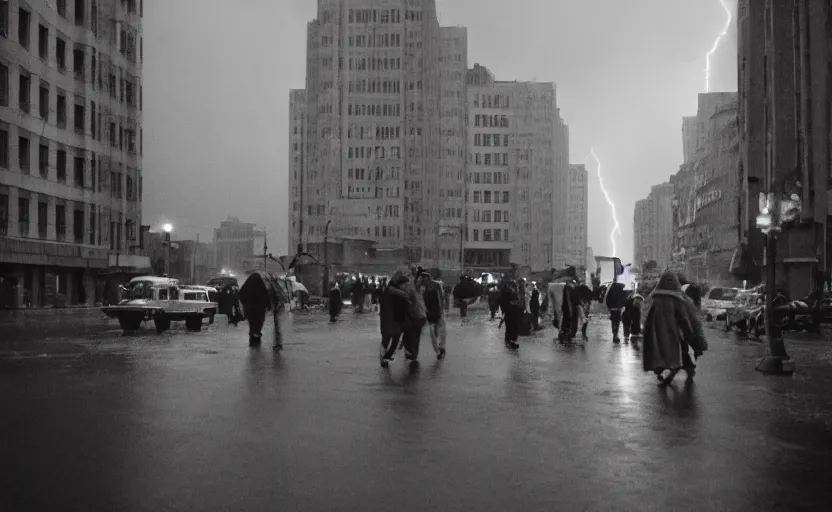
23,153
78,226
78,166
4,85
4,19
62,8
43,213
79,118
23,22
476,235
487,196
486,235
43,159
60,106
505,197
23,216
92,224
79,12
43,101
60,54
4,214
60,221
60,165
25,84
43,42
78,63
4,149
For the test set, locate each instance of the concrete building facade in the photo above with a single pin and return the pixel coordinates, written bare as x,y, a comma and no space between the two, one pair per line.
235,243
70,105
784,130
297,160
653,226
371,162
511,173
642,233
577,186
706,197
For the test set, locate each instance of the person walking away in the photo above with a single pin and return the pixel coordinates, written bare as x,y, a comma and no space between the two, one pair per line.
259,294
534,308
512,305
336,302
434,312
414,321
392,311
555,293
493,300
672,325
615,300
632,317
583,302
569,317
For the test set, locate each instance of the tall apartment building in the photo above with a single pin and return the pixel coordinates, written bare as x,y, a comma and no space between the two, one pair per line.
577,214
70,105
511,173
369,160
690,139
297,128
706,197
643,250
653,226
454,150
784,125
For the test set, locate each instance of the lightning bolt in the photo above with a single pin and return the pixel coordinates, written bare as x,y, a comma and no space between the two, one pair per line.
716,45
616,227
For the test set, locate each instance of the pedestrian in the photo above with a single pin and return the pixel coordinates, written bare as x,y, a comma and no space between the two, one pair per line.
434,311
493,300
336,302
511,302
259,294
632,317
583,302
534,308
569,315
392,311
555,293
672,326
414,321
615,299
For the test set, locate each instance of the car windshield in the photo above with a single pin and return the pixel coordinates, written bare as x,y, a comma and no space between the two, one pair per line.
140,290
723,294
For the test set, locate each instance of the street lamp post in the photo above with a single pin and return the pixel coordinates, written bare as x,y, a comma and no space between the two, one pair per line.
167,228
326,258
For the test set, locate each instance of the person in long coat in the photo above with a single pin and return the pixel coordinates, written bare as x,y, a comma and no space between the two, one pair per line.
671,327
336,302
259,294
393,303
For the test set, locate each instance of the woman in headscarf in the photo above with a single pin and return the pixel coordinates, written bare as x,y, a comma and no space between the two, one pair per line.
671,327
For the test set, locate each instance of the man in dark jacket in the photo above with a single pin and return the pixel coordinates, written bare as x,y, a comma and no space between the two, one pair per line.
632,317
511,302
569,316
534,308
616,299
434,311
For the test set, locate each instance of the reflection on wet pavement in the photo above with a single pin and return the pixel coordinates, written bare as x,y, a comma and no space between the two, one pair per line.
199,421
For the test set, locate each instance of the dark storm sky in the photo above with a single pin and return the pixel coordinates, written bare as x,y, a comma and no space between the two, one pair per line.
217,76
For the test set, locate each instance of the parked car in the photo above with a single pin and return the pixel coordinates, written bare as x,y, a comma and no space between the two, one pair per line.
717,302
162,300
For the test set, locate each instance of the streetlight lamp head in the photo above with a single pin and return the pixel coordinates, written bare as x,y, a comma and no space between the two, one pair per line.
167,228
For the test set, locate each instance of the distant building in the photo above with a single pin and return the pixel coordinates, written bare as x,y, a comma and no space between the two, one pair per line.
297,161
235,243
653,227
577,214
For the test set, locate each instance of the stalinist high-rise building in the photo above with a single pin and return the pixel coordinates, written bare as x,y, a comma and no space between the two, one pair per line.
368,159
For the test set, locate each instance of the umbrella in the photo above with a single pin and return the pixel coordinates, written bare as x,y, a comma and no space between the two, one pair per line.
303,258
293,284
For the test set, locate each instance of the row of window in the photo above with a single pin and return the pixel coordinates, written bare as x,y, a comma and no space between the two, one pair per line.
376,86
97,179
375,64
485,196
485,216
378,152
488,178
380,15
490,139
500,159
488,120
384,110
374,41
52,213
492,101
490,235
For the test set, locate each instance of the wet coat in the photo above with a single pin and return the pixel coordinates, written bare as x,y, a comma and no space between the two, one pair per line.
336,301
671,324
393,304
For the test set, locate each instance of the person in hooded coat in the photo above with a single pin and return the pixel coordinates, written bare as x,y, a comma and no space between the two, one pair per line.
336,302
393,303
672,326
259,294
632,316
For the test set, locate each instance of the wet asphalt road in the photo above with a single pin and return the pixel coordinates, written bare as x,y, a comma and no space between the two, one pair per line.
93,420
